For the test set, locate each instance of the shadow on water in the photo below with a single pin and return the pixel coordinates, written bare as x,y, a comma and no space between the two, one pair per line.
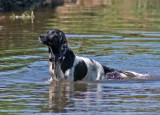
119,34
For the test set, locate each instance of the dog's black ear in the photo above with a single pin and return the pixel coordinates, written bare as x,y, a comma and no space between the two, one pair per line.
51,55
62,35
64,46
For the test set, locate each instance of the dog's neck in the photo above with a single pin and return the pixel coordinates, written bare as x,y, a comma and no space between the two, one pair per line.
62,64
57,56
66,60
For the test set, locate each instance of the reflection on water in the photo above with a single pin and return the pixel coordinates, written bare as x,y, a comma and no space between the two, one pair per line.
120,34
110,97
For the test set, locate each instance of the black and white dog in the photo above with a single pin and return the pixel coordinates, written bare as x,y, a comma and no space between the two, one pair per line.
65,65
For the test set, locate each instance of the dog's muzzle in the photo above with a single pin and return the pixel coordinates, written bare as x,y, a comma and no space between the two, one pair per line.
43,40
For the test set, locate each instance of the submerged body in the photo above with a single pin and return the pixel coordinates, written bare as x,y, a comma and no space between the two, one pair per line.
65,65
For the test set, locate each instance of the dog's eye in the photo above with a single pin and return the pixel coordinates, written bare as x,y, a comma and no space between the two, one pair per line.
52,33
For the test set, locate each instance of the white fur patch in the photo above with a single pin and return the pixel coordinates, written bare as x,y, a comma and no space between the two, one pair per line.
50,69
140,76
123,75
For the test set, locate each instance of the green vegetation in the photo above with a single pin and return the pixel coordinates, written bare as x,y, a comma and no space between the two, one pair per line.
24,16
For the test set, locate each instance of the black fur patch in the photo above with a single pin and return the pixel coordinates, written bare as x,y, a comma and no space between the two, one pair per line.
68,61
80,71
111,73
107,69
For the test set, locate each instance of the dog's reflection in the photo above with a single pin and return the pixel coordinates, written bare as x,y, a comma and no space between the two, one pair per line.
60,94
63,95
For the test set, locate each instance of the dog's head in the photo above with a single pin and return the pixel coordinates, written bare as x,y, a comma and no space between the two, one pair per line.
56,41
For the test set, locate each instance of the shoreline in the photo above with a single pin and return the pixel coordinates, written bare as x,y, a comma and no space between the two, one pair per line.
22,5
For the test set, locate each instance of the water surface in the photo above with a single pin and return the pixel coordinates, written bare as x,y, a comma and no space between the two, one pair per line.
118,34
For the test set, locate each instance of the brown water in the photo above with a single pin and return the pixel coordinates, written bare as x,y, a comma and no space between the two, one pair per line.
120,34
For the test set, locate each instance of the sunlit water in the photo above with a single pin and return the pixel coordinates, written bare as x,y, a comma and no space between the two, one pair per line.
121,35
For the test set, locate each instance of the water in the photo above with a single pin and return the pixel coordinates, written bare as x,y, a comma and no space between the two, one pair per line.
119,34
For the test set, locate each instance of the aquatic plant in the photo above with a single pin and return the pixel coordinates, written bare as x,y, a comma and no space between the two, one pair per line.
24,16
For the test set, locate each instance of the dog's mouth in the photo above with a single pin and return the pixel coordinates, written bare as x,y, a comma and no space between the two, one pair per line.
43,40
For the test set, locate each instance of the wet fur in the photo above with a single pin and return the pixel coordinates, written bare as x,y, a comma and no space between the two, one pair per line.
65,65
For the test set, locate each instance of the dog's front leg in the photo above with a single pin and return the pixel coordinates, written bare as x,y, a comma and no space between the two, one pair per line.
51,71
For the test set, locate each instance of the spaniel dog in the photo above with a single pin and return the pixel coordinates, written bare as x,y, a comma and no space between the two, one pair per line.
65,65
